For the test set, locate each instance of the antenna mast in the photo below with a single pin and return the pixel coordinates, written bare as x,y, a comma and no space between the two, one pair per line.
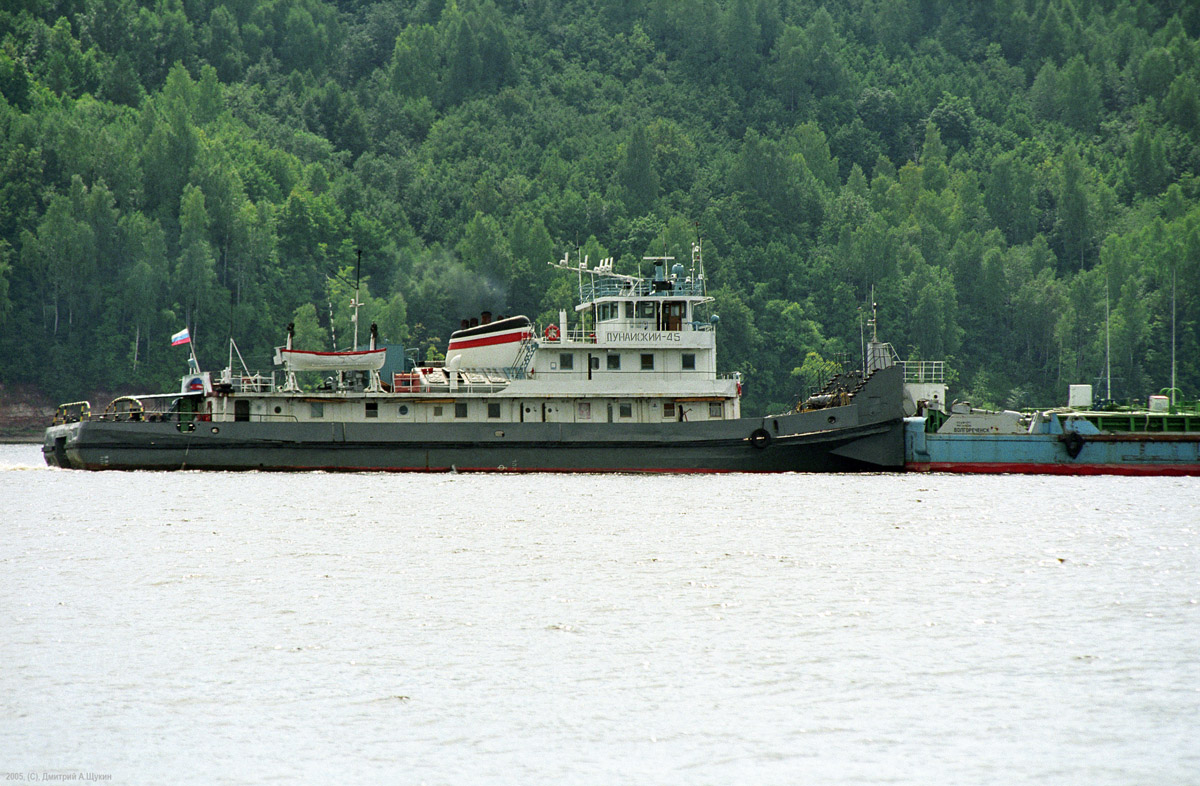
1172,335
354,301
1107,346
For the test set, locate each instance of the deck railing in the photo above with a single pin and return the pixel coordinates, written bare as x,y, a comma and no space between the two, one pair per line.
248,383
72,412
612,287
918,371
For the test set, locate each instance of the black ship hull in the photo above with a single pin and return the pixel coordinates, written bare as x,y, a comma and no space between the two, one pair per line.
864,435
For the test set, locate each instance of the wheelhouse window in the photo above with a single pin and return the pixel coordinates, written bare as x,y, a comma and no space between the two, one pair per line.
647,361
645,309
460,409
372,409
614,362
607,311
493,409
566,361
689,361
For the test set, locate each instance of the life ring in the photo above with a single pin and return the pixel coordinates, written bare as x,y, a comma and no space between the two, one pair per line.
551,332
760,438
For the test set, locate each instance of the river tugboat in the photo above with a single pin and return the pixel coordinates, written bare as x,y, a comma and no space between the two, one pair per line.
629,385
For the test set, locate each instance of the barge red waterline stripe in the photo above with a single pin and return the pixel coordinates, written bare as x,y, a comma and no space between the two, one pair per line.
1018,468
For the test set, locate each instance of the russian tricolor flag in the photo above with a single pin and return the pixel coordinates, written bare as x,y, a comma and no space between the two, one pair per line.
181,337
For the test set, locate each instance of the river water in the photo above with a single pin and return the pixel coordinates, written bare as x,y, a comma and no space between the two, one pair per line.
492,629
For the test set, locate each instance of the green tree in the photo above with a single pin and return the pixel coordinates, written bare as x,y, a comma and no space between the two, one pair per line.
67,70
933,323
171,142
827,72
1074,226
1079,95
1182,104
740,36
415,64
935,174
1146,164
638,178
484,249
14,80
1009,198
195,273
62,253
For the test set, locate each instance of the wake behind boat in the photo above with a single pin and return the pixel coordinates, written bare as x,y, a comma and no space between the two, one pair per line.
629,385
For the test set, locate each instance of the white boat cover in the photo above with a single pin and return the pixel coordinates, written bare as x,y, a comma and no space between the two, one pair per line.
300,360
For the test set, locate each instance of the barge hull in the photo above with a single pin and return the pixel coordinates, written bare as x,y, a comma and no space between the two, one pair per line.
1144,454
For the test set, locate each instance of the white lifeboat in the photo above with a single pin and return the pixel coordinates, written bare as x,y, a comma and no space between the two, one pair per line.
492,344
301,360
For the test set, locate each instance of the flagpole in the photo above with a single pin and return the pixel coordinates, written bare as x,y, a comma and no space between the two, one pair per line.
192,350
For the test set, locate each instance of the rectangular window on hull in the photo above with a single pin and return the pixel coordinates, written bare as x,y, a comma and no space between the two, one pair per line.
372,409
316,409
668,410
585,410
647,362
566,361
626,409
437,410
614,362
689,361
716,410
460,410
493,410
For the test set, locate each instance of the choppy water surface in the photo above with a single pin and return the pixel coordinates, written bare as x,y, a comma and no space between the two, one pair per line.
262,628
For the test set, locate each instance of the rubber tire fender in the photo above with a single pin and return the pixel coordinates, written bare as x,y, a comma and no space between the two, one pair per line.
760,438
1073,441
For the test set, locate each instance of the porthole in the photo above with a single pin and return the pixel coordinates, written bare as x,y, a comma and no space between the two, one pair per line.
832,419
216,430
403,409
278,410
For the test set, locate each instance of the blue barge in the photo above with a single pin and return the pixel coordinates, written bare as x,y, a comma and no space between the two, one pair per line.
1054,442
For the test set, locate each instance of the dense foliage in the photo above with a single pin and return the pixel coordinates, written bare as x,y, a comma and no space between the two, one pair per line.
1000,173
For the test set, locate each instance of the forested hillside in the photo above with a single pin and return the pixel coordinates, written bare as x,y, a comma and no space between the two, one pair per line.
999,171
